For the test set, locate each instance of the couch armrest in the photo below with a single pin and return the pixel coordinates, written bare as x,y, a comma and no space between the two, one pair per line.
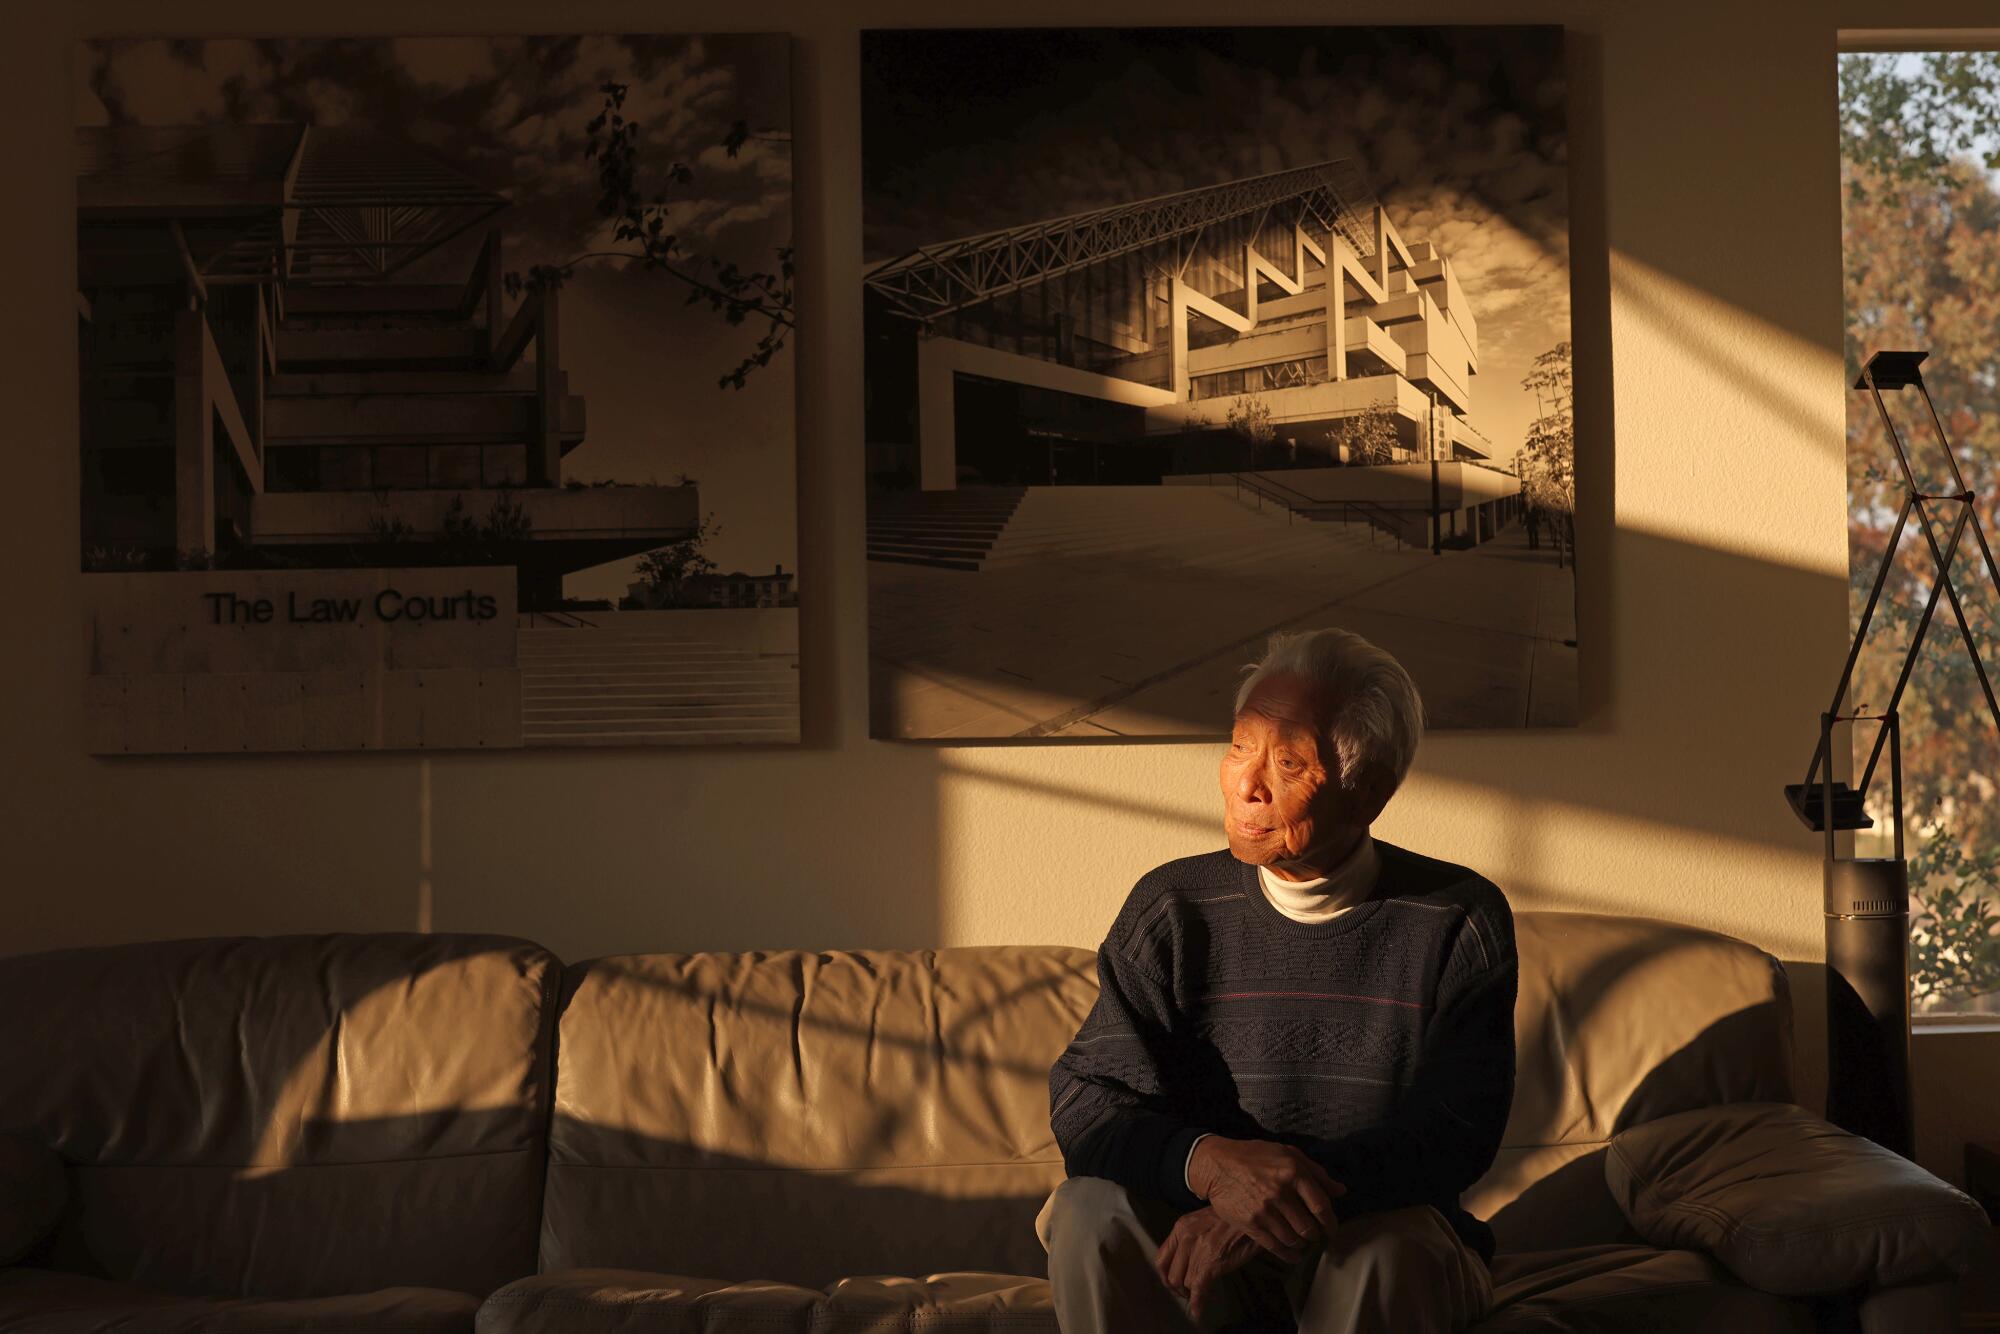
1789,1203
32,1194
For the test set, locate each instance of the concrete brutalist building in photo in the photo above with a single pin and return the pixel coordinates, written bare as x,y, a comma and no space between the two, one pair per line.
1110,452
323,501
296,352
1118,346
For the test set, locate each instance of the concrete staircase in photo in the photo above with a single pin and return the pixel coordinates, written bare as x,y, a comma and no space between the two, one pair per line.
946,530
601,685
1164,526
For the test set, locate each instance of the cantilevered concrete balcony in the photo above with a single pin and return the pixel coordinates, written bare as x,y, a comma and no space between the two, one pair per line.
565,528
1306,407
1262,346
1368,344
1366,336
413,407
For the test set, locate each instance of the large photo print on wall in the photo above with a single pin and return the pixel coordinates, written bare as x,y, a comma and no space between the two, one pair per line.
437,392
1176,338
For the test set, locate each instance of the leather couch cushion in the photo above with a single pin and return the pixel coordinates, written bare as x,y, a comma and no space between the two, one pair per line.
1630,1290
52,1303
1790,1203
1621,1020
800,1117
225,1106
32,1191
610,1301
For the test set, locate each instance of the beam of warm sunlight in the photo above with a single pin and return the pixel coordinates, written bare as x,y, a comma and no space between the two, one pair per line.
331,1090
1067,875
1687,359
1567,856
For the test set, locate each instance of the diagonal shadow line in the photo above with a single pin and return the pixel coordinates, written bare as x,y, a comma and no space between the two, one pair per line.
1083,711
926,1043
1779,396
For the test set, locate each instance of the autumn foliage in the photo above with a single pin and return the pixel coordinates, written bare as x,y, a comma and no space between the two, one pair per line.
1921,220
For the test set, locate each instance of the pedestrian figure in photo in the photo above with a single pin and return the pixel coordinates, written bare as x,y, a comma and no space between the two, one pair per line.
1302,1051
1533,520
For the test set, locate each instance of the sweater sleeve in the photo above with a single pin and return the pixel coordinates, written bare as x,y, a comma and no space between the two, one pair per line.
1112,1092
1445,1131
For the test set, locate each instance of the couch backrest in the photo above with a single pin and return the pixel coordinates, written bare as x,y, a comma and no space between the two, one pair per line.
805,1117
290,1116
1621,1020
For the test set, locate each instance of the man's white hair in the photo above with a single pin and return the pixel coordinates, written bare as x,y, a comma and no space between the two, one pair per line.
1378,716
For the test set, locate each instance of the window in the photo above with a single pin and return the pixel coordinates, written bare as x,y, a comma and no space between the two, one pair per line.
1257,379
505,465
400,468
1220,385
1291,374
345,468
136,471
1920,216
291,468
455,466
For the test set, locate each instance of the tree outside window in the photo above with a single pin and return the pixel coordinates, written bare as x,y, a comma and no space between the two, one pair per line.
1921,238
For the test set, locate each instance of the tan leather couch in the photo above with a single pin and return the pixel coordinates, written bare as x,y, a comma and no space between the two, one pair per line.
332,1132
417,1133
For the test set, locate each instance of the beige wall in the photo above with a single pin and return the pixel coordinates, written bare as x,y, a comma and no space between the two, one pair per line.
1710,402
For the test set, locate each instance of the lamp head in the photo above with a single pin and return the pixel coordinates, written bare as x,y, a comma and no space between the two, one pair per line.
1892,370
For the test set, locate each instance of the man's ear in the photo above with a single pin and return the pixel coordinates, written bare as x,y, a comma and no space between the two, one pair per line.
1373,787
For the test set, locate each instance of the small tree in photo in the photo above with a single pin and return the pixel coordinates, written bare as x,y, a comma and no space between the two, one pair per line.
465,538
669,572
1548,457
1249,420
1369,436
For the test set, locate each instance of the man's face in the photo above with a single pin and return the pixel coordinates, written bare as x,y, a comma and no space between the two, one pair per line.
1281,795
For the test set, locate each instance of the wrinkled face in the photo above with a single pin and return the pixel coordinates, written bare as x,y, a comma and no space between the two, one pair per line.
1281,796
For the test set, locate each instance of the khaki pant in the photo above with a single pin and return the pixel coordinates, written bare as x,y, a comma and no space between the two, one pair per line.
1399,1272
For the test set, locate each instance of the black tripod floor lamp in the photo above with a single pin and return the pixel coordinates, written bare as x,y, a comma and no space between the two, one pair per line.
1867,904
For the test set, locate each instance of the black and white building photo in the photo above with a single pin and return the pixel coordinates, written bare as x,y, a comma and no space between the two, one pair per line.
436,392
1177,338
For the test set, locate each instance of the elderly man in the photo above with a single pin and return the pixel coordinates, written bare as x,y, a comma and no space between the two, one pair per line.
1303,1049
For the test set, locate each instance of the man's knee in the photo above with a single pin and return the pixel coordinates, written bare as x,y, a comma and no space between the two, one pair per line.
1405,1263
1083,1211
1415,1241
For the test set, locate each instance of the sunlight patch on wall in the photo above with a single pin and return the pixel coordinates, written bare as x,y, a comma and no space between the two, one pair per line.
1041,852
1565,856
1731,429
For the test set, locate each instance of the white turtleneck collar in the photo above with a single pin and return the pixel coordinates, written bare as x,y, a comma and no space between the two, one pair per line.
1322,900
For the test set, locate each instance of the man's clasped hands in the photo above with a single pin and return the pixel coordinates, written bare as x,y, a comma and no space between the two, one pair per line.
1260,1196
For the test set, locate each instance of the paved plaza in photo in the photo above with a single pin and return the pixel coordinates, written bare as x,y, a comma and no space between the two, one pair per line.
1100,630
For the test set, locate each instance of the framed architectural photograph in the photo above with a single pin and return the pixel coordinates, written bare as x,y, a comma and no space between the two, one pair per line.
437,392
1177,338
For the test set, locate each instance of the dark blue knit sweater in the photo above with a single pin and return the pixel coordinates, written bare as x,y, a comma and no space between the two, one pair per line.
1381,1043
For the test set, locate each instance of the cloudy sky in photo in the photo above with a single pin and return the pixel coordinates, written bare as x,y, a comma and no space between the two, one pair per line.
509,113
1461,132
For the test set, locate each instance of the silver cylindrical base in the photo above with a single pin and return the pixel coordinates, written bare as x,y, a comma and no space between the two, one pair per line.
1868,1000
